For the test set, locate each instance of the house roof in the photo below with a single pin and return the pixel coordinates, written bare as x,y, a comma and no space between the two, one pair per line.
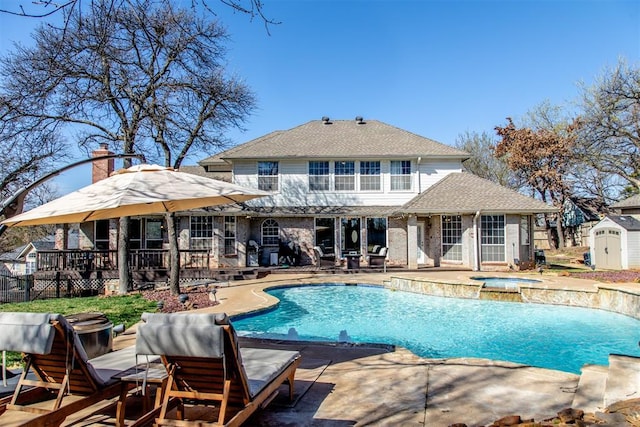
465,193
626,221
13,254
347,139
590,207
630,202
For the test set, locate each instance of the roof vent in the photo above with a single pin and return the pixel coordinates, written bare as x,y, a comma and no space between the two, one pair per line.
360,120
326,120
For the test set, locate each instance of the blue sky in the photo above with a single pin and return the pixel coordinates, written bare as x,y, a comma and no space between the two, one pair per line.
435,68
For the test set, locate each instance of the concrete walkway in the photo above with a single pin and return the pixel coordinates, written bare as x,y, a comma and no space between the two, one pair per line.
346,384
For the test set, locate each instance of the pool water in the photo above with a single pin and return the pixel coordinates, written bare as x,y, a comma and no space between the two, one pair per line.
503,282
547,336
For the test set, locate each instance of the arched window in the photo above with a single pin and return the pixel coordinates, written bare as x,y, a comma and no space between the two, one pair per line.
270,233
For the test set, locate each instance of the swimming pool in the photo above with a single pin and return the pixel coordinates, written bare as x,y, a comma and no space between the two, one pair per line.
553,337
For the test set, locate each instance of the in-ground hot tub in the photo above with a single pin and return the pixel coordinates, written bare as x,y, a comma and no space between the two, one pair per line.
95,332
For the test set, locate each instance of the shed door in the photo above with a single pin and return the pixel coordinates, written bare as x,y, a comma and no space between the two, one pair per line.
607,249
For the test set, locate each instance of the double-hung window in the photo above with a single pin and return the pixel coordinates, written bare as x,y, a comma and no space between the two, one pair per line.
345,175
400,175
318,176
492,238
452,237
370,176
201,229
229,235
268,176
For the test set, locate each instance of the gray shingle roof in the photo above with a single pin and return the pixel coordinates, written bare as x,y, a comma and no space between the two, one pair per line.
626,221
340,139
465,193
631,202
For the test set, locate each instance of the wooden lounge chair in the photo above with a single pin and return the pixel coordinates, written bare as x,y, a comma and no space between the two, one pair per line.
58,379
206,366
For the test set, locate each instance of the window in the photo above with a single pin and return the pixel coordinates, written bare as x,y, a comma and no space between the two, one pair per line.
229,235
30,263
492,238
400,175
201,232
524,231
376,233
153,233
325,234
345,176
318,176
135,233
370,176
101,234
270,233
268,176
452,237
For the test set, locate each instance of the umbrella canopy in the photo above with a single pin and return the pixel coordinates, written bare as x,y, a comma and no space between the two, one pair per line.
138,190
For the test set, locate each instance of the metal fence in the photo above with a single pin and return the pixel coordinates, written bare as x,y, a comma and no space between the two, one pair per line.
55,285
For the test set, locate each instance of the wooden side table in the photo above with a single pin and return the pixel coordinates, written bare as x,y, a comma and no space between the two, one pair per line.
150,375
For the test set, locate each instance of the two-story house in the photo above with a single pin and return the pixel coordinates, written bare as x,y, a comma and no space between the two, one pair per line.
349,187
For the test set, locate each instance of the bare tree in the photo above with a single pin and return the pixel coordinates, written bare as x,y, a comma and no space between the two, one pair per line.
45,8
144,76
483,162
609,126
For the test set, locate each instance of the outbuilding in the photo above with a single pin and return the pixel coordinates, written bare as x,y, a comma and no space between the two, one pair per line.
615,243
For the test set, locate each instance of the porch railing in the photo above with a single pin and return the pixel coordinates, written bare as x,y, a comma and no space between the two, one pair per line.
100,260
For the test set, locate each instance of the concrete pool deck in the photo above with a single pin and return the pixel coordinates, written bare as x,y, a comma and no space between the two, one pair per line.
345,385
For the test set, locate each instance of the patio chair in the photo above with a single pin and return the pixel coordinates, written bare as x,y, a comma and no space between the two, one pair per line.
323,259
377,259
58,379
206,365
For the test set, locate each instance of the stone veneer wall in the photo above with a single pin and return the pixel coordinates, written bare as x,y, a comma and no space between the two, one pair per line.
604,298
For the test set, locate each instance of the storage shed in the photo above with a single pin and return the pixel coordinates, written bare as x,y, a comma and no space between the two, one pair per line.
615,243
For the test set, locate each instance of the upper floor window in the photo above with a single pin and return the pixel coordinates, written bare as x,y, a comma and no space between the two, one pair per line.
370,176
229,235
345,176
201,232
270,233
318,176
400,175
268,176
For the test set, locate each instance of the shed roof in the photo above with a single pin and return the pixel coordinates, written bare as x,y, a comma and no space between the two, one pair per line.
465,193
627,222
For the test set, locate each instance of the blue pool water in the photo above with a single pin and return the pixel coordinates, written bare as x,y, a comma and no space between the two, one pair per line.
504,282
553,337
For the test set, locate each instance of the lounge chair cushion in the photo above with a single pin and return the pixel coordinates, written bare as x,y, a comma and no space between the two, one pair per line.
26,332
112,363
187,318
263,365
383,251
180,339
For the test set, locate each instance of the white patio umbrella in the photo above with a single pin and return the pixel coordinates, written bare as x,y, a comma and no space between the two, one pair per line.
138,190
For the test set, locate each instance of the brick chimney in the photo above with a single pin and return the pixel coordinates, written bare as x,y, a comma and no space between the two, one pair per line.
101,168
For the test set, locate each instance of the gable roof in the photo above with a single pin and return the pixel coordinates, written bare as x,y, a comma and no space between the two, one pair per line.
625,221
630,202
465,193
346,139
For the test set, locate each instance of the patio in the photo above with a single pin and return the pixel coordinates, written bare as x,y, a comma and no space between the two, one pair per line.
346,384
